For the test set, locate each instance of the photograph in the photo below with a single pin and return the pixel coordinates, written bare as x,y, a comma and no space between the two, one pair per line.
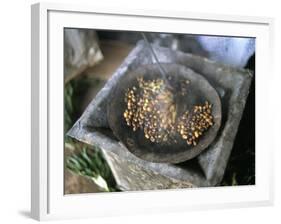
147,111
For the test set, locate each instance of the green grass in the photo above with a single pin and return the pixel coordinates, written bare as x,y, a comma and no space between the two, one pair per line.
90,163
86,161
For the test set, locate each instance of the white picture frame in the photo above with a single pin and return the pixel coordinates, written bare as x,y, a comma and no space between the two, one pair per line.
48,200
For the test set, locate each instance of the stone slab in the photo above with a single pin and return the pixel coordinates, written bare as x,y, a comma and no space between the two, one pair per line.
208,168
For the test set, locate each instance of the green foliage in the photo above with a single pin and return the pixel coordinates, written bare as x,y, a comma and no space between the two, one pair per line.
90,163
69,108
74,92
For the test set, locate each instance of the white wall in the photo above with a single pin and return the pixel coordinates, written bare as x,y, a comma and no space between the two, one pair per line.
15,110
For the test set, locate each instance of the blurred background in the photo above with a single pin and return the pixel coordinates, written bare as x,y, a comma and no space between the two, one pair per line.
92,56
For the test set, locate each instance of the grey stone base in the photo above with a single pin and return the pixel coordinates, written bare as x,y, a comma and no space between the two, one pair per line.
208,168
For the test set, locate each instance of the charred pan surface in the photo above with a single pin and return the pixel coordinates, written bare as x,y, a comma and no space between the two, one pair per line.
174,148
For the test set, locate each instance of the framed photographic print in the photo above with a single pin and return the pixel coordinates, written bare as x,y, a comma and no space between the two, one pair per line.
148,111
